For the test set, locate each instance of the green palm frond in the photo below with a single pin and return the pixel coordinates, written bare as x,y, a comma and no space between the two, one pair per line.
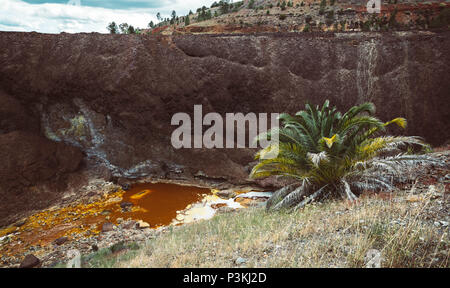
293,198
279,195
399,121
374,146
356,110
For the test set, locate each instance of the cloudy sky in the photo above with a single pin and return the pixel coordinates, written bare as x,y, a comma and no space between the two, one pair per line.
55,16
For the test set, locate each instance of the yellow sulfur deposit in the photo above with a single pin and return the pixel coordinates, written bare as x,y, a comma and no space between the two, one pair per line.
140,194
7,230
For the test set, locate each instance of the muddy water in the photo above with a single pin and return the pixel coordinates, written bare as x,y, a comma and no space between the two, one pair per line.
157,204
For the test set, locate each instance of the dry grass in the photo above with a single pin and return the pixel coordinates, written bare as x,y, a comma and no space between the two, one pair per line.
333,234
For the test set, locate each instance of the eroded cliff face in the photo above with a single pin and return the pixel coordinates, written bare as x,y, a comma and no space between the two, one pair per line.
113,96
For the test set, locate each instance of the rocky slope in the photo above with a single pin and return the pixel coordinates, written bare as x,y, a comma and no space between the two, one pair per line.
420,205
251,16
112,97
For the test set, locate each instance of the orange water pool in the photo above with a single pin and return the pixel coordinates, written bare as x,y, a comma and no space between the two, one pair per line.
157,204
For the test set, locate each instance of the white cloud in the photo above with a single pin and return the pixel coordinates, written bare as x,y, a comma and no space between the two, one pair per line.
16,15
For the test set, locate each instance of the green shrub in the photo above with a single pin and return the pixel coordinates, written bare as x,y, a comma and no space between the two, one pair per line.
392,21
330,154
112,28
323,4
366,26
306,28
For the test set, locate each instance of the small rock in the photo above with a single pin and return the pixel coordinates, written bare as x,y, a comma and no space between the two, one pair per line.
226,194
20,223
216,206
92,194
246,202
373,259
142,225
107,227
240,261
61,241
126,205
443,223
200,174
129,225
119,220
30,261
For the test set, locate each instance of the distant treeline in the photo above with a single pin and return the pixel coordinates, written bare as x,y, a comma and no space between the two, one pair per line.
203,14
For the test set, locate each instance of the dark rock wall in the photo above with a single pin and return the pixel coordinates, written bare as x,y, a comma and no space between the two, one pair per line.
33,169
113,96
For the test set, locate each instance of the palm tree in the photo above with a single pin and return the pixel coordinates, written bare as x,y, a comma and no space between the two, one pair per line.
331,154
